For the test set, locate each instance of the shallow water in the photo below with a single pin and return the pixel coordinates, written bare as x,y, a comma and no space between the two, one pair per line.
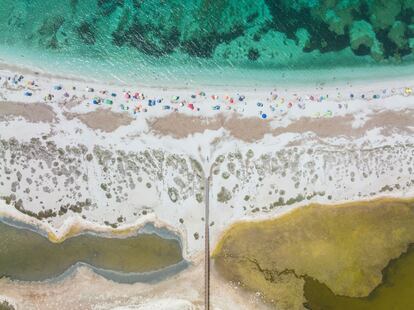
345,247
176,40
395,292
29,256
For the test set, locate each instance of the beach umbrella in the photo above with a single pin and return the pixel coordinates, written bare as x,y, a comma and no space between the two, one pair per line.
328,113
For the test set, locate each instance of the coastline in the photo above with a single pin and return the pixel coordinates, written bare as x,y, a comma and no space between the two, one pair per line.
223,77
76,226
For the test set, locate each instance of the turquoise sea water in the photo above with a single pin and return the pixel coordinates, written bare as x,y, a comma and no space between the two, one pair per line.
211,40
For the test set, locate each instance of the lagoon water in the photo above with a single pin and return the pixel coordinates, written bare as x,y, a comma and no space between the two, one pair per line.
395,292
27,255
326,257
225,41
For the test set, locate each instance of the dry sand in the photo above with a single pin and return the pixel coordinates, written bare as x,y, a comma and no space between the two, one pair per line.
179,126
252,129
342,125
102,119
32,112
390,121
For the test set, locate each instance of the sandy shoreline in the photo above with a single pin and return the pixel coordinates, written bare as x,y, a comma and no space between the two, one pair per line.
229,77
112,167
